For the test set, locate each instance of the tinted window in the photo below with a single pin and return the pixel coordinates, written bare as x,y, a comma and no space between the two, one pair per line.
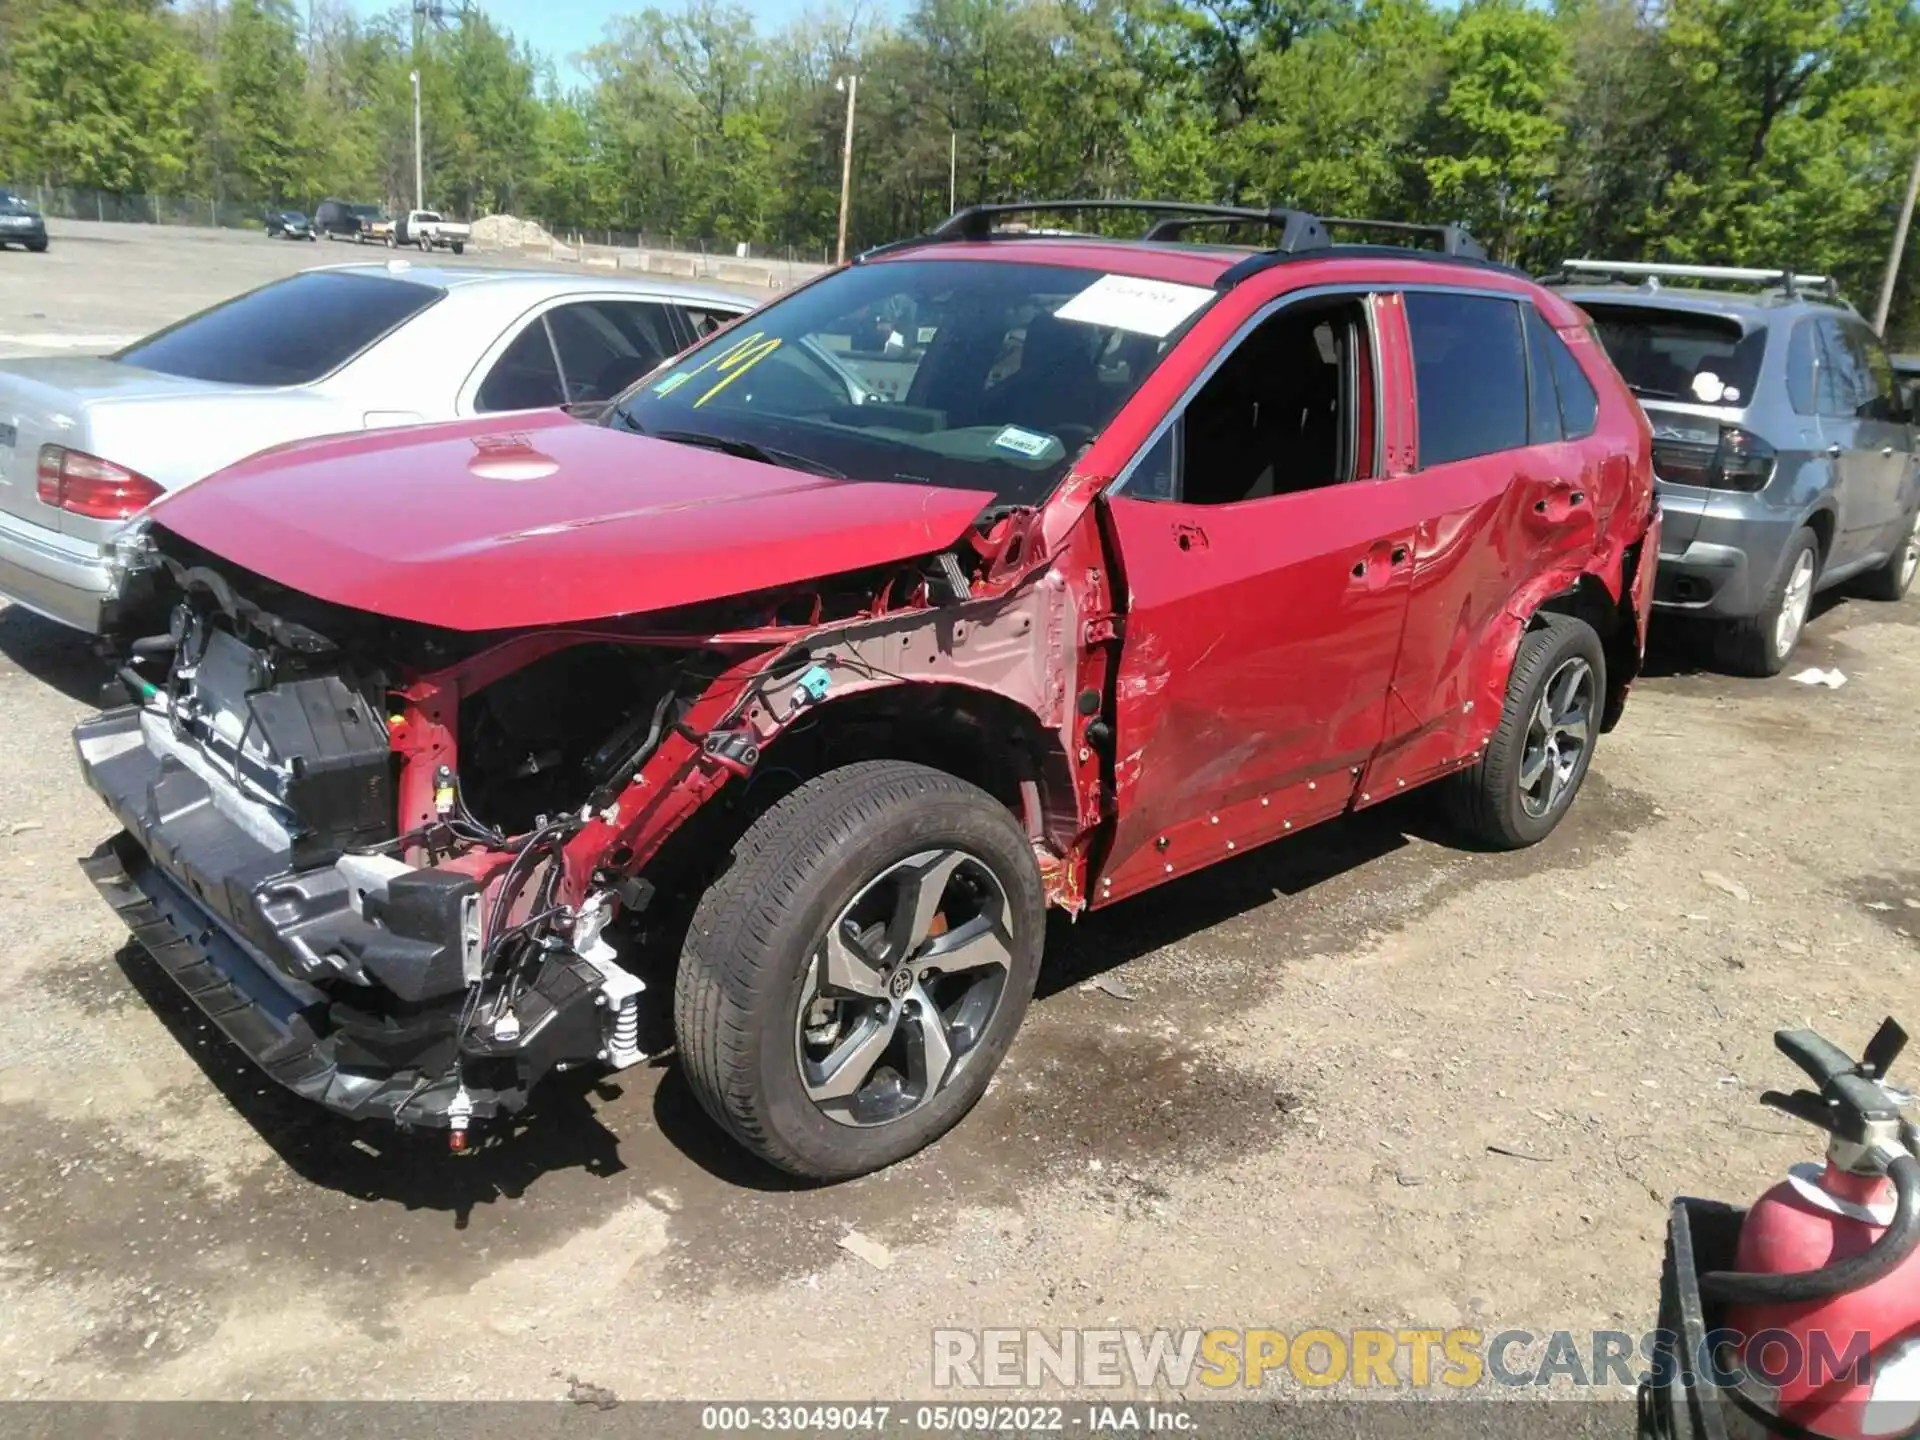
524,377
606,345
288,333
991,375
1806,368
1470,375
1882,400
1579,406
1543,397
1667,354
1852,389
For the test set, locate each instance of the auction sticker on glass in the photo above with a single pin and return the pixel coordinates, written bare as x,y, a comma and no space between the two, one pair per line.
1142,307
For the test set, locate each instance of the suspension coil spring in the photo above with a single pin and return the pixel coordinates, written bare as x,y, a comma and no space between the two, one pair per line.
623,1044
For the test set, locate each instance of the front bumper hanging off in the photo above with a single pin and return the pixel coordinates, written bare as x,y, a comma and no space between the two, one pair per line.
355,1006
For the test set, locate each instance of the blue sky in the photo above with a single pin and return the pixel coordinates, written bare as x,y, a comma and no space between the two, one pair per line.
561,29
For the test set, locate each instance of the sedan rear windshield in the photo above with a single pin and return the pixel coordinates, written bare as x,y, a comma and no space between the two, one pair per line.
291,332
986,375
1683,355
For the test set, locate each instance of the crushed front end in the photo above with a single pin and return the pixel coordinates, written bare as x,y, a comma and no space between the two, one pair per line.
426,971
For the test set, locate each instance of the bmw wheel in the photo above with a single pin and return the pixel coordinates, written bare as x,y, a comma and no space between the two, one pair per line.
851,983
1893,579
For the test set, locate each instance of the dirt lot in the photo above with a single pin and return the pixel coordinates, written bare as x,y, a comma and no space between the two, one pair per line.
1278,1112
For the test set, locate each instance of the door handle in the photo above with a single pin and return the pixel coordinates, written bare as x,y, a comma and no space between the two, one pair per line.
1572,494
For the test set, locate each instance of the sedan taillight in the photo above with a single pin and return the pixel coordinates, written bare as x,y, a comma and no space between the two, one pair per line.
84,484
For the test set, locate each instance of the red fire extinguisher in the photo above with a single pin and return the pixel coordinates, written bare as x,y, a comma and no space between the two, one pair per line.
1821,1322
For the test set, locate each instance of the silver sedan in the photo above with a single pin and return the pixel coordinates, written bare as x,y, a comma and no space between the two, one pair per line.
88,441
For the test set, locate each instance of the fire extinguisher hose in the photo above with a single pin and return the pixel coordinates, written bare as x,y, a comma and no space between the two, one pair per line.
1896,1242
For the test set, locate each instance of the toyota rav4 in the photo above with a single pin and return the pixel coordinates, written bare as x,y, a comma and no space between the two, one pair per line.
994,571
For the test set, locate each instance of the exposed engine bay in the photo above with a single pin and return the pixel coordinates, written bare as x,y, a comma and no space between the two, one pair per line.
414,843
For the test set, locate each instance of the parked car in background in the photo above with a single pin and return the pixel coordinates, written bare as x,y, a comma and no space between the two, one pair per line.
373,224
21,224
1162,551
1906,369
335,218
427,230
288,225
1784,450
86,442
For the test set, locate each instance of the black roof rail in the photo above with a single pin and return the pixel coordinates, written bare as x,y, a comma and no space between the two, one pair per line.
1454,239
1298,229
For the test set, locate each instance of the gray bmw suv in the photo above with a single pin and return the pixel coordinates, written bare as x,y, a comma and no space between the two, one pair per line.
1783,445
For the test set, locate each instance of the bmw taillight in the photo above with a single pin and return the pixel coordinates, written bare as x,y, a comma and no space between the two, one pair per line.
84,484
1740,460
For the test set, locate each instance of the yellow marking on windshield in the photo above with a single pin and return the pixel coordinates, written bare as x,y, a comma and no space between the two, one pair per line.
739,361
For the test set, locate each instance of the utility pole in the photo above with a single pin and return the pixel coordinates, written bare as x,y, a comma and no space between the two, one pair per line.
848,83
419,181
1899,246
953,172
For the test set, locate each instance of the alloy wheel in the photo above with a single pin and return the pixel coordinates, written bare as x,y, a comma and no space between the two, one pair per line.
1793,606
1558,736
903,987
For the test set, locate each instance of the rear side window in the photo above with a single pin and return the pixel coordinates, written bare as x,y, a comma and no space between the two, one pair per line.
525,377
1683,355
1543,391
1470,375
1579,406
703,322
288,333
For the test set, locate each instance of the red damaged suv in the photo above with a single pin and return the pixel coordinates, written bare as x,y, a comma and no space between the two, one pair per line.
999,569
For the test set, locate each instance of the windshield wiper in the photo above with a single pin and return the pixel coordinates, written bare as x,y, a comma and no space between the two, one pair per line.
1647,392
747,450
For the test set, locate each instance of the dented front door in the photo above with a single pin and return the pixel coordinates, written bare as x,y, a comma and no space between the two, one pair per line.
1259,641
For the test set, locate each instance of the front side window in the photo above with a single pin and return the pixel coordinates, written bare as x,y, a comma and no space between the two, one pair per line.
980,374
1284,412
1469,375
289,333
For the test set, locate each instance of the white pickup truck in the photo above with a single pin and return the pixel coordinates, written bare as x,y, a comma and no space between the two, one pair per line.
426,229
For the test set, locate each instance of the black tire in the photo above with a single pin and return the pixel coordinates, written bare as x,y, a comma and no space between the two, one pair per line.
1893,579
1487,802
459,247
37,247
1751,646
749,955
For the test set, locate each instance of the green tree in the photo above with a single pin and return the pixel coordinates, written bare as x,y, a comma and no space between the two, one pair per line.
99,95
261,147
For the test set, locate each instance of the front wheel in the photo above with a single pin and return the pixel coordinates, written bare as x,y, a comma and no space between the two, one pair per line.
459,248
1533,766
850,984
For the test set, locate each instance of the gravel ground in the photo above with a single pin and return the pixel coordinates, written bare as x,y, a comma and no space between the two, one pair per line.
1280,1110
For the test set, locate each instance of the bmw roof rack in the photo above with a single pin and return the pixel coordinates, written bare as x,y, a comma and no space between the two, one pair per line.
1651,273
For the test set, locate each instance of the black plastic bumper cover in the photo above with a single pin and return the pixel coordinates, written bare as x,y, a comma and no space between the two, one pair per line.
262,1013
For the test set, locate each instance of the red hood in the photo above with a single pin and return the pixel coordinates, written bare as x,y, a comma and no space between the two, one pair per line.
543,520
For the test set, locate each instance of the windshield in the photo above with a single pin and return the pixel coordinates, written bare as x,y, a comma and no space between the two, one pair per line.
367,212
978,374
1680,355
288,333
